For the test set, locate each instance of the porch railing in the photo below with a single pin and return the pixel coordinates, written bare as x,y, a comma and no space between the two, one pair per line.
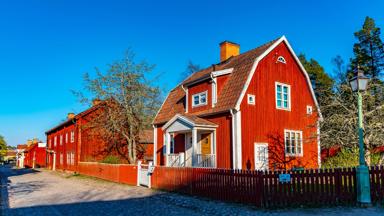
206,160
175,160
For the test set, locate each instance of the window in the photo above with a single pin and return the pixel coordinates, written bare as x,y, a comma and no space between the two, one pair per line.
55,141
281,59
293,143
283,96
61,158
61,139
251,99
72,158
199,99
309,110
66,137
72,136
68,158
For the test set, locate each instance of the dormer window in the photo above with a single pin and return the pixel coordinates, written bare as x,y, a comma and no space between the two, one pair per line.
251,99
199,99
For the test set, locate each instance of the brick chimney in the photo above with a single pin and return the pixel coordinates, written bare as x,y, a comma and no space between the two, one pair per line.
71,115
96,102
228,49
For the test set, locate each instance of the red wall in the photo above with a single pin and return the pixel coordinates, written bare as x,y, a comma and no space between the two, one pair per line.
120,173
65,148
263,122
35,153
198,88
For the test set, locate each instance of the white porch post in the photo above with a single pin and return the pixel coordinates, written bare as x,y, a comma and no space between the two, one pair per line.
194,146
167,147
54,161
213,148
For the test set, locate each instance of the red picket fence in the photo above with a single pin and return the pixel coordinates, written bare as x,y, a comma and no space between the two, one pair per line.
377,183
263,189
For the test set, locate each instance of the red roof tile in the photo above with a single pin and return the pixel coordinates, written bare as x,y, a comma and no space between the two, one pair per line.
226,100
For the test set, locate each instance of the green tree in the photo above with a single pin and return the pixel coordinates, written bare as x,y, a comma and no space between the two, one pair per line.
368,50
130,102
3,146
322,83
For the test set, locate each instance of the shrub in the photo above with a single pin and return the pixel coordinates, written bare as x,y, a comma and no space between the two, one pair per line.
347,158
111,159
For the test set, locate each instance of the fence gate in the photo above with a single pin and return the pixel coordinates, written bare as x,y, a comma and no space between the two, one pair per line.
144,174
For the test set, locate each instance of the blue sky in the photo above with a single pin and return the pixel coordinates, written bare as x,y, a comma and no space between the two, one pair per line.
47,46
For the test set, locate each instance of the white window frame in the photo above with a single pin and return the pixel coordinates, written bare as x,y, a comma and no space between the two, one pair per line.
290,154
199,95
281,59
282,96
309,110
253,97
66,137
55,141
72,136
61,139
256,158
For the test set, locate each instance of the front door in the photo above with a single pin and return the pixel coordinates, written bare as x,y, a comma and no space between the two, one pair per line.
261,156
205,144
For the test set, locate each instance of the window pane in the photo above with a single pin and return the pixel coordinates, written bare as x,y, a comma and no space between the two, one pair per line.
293,143
278,89
203,98
278,103
286,97
285,104
285,89
287,148
299,142
196,100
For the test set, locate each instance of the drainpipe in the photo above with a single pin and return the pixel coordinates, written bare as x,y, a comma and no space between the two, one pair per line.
214,91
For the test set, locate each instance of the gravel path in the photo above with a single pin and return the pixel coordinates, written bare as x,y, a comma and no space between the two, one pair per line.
44,192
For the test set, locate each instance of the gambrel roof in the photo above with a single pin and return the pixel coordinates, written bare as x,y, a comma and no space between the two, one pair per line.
234,89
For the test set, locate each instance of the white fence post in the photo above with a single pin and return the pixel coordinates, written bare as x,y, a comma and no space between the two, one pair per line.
150,164
138,172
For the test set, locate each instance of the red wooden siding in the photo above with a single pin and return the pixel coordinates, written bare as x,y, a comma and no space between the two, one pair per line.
262,122
198,88
160,160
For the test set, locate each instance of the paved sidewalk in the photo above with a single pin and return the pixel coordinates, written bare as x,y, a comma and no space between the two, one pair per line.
49,193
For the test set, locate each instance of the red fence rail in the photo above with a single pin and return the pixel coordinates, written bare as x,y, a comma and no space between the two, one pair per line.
263,189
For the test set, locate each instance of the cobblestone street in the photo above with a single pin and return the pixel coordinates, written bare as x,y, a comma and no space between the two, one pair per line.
44,192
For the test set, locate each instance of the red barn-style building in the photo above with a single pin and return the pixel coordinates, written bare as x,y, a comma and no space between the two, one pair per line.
254,110
72,142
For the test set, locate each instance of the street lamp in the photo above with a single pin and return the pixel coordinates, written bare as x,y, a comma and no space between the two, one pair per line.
358,84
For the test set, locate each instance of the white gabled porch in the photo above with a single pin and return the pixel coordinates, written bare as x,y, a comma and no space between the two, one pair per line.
189,141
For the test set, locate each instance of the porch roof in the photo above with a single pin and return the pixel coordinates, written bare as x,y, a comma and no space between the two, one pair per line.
190,120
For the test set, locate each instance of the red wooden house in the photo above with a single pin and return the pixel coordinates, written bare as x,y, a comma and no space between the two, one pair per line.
35,155
254,110
72,142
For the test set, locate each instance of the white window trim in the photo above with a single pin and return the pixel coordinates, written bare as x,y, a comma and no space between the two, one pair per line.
281,59
66,137
309,110
254,99
199,94
55,141
301,143
282,101
255,154
61,139
72,136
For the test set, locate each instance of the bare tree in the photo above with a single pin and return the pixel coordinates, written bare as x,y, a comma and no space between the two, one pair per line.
130,102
